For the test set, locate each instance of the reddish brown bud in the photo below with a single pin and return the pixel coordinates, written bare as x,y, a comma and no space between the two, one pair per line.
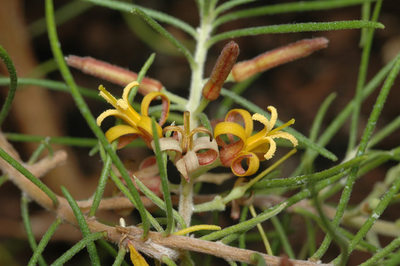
221,70
244,70
112,73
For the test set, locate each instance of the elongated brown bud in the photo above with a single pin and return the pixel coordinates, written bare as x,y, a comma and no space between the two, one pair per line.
245,69
221,70
112,73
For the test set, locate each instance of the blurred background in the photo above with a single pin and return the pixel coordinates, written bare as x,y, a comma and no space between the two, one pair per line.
296,89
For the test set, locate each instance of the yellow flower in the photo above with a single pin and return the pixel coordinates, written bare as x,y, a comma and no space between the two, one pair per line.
137,125
240,148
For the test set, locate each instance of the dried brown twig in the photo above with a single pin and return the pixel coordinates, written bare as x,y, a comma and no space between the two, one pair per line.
156,245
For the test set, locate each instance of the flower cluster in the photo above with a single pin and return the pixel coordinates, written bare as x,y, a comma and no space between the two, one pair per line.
234,141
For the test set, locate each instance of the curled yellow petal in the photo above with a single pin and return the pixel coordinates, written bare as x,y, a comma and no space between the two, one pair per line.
231,116
251,160
230,128
127,89
144,108
120,130
198,227
136,258
285,135
107,113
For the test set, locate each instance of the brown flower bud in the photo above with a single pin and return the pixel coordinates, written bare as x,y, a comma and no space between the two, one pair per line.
245,69
112,73
221,70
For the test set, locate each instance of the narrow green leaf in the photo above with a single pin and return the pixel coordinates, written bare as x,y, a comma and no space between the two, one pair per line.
28,228
230,4
297,27
283,237
162,167
362,76
159,202
301,138
83,108
101,186
63,14
14,163
13,84
341,118
246,225
50,84
378,106
120,257
160,16
157,27
110,249
298,181
44,241
205,121
319,117
258,259
238,89
140,76
384,132
299,6
91,247
78,247
375,260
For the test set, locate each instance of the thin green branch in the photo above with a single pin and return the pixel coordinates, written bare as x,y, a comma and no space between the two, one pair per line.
13,84
378,106
238,89
27,225
120,257
384,132
63,14
14,163
160,16
162,167
300,6
283,237
78,247
375,260
157,27
341,118
91,247
230,4
110,249
362,76
44,241
83,108
319,117
298,27
101,186
53,85
246,225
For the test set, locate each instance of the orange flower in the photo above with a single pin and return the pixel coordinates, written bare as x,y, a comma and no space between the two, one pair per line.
240,147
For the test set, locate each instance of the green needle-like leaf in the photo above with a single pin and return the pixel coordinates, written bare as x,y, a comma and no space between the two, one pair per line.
13,84
295,6
160,16
162,167
78,247
91,247
298,27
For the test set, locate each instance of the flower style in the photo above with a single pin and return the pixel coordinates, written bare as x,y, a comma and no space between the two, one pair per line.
137,125
190,153
239,147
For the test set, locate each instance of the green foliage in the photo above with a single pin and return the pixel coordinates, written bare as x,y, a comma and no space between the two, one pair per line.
305,185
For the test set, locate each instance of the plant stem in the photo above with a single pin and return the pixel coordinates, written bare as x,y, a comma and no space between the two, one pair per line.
186,200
